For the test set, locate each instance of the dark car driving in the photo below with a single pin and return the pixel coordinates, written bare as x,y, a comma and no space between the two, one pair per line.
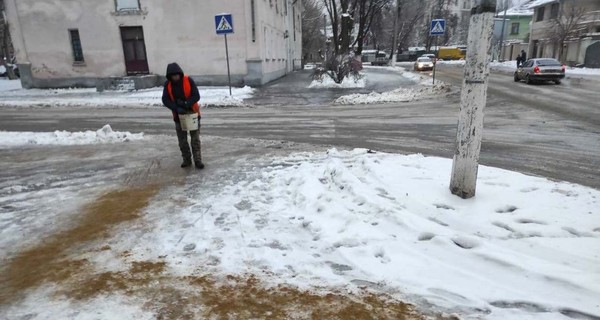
537,70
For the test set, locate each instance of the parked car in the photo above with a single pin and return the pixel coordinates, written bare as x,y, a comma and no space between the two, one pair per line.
381,59
423,64
430,56
535,70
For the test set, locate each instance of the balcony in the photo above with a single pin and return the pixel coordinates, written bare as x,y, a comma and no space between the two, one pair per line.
592,17
591,20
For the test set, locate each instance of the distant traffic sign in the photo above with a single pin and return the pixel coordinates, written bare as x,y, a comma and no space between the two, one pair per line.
438,27
224,23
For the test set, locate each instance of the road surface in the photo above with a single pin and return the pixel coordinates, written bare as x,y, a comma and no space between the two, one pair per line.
546,130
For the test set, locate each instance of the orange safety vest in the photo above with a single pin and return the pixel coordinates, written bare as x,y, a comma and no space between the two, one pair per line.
187,91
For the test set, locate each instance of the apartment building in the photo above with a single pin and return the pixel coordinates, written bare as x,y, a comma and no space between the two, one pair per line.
582,46
78,43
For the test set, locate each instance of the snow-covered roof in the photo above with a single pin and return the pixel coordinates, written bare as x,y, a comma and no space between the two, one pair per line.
539,3
522,10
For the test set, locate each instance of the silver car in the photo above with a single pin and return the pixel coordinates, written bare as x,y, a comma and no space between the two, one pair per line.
423,64
545,69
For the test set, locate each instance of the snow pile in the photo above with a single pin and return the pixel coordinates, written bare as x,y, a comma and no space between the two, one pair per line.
210,97
424,89
452,62
104,135
398,95
583,71
525,247
9,85
347,83
418,78
219,96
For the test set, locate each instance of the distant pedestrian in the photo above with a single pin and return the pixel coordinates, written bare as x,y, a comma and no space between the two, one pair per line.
181,96
518,61
523,57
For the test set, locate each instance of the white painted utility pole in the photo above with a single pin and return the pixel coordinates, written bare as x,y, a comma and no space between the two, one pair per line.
473,99
395,35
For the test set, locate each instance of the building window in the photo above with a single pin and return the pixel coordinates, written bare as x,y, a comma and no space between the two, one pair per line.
514,28
127,5
554,10
540,14
76,46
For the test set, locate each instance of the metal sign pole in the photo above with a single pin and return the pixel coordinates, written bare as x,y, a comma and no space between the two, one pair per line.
228,72
436,58
224,25
438,28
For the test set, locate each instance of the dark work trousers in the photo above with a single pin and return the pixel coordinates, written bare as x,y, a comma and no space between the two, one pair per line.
185,147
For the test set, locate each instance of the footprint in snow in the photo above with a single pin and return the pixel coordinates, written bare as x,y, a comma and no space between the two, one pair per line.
339,268
189,247
380,254
565,192
522,305
530,189
506,209
503,226
465,242
441,223
443,206
499,184
426,236
530,221
577,233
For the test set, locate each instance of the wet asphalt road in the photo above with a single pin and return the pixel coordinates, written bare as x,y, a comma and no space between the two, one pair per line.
546,130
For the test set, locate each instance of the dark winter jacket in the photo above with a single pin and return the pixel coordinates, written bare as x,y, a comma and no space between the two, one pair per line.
523,56
178,94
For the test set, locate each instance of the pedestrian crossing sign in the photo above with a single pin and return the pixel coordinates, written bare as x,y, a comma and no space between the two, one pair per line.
438,27
224,23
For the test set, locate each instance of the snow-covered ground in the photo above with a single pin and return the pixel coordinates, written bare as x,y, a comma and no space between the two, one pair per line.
524,248
424,89
106,134
347,83
14,96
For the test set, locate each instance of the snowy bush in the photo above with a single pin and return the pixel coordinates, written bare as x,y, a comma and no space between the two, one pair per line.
339,68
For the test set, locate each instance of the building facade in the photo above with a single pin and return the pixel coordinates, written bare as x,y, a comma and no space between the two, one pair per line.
517,23
78,43
583,47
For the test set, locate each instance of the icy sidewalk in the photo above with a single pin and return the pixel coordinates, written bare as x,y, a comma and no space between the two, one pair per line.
524,248
13,96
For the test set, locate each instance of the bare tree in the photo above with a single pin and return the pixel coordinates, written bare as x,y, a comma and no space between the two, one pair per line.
341,24
340,64
567,25
365,12
312,26
6,49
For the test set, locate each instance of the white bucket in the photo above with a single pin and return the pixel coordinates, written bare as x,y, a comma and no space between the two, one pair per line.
189,122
